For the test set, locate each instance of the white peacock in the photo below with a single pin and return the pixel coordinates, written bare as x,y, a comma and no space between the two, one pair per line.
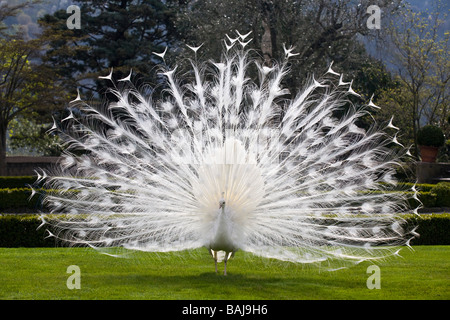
229,163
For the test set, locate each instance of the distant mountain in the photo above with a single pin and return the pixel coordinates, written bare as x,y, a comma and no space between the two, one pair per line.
27,20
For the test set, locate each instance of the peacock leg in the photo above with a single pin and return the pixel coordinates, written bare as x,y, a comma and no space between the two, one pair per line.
225,262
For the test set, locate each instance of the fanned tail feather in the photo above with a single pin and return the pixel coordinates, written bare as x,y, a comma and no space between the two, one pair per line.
300,184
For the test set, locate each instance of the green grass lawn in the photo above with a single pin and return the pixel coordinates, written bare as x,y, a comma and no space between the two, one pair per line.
40,273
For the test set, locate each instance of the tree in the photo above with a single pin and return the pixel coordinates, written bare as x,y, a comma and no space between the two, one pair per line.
25,85
117,34
422,62
321,31
28,136
394,102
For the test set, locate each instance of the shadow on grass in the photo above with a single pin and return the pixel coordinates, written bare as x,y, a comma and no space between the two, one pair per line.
209,285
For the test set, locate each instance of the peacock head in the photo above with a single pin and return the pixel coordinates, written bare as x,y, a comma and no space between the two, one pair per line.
222,202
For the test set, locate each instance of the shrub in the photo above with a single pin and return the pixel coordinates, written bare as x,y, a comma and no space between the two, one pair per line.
424,187
430,136
22,230
19,199
428,200
17,182
442,191
432,228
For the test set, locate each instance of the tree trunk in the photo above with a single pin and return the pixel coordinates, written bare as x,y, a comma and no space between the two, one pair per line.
416,126
266,44
268,41
3,130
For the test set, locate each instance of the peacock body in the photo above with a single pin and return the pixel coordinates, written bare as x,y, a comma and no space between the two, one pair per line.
229,163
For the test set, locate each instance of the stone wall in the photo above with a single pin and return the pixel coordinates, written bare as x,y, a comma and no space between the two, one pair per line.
428,172
26,166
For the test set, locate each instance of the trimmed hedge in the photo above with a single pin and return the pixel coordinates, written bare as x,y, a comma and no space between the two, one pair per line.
433,229
432,195
21,230
423,187
19,199
428,199
442,191
17,182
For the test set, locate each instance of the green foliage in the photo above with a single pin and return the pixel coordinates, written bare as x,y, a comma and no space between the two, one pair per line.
29,137
442,191
15,194
419,53
307,26
430,135
26,85
431,195
444,152
120,35
395,102
18,199
427,199
17,181
432,228
22,231
424,187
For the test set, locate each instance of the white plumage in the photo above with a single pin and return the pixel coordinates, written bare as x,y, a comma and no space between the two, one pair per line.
229,163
